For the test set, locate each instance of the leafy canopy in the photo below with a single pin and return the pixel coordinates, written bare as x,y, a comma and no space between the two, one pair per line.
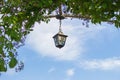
17,18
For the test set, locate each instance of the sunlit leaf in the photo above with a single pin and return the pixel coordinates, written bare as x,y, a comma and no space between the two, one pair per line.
12,62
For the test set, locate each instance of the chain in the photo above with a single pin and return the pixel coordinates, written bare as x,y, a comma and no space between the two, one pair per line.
60,30
60,18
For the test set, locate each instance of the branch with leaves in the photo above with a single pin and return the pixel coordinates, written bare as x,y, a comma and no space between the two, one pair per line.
19,16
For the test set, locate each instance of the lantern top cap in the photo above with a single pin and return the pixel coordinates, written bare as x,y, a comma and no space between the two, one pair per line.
61,33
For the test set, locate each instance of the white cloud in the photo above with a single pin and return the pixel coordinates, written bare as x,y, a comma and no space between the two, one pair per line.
51,70
41,40
103,64
70,72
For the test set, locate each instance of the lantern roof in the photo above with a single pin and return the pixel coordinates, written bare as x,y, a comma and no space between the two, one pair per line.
60,33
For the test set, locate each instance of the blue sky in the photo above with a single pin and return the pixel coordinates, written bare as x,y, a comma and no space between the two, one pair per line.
89,54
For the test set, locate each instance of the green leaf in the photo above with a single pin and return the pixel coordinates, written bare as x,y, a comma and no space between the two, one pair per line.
11,54
13,62
1,61
2,67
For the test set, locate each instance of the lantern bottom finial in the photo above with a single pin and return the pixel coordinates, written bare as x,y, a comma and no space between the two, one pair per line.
59,46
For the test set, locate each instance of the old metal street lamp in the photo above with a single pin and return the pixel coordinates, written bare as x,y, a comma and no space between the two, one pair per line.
60,38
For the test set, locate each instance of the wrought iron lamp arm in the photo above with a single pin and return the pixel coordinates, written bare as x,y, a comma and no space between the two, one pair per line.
76,16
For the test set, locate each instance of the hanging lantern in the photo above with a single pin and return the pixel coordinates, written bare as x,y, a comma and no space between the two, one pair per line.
59,39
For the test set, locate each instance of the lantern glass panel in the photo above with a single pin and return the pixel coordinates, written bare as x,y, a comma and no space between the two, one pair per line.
56,40
61,40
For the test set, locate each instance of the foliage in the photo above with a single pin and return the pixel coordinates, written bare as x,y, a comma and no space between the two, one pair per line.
19,16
